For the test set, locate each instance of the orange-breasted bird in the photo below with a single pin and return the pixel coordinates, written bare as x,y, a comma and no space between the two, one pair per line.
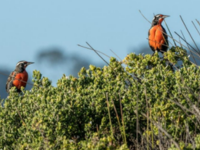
158,40
18,77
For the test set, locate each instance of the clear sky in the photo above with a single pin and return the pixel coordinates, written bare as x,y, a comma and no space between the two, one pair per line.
28,26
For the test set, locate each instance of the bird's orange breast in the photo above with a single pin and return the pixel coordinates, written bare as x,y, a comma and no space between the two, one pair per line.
20,80
156,38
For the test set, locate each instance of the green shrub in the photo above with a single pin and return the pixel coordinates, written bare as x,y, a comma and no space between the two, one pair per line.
100,108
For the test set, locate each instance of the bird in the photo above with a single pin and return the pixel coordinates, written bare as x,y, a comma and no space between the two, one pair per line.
157,35
18,77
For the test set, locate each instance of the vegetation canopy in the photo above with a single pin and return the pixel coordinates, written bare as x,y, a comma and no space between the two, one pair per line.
143,102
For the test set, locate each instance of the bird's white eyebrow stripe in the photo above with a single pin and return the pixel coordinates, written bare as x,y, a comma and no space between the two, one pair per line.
19,63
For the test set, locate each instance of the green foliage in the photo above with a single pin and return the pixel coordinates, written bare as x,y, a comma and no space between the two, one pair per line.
75,114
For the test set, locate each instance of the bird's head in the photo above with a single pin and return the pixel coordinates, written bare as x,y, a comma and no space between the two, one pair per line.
21,65
158,19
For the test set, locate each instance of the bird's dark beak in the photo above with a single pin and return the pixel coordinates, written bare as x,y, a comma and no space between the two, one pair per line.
165,16
28,63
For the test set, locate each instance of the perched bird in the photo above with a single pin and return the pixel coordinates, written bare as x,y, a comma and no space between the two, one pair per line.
18,77
158,40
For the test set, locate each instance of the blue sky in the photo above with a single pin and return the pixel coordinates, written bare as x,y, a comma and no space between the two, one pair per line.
28,26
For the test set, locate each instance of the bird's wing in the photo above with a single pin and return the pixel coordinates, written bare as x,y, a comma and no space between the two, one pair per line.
10,79
165,36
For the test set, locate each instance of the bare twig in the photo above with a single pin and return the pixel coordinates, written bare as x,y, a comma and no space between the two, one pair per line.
195,51
197,22
147,108
189,33
137,121
108,106
107,62
97,53
169,32
144,17
189,48
195,27
20,115
164,131
93,50
115,54
124,133
116,115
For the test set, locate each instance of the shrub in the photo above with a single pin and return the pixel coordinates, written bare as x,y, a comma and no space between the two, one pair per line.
152,102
